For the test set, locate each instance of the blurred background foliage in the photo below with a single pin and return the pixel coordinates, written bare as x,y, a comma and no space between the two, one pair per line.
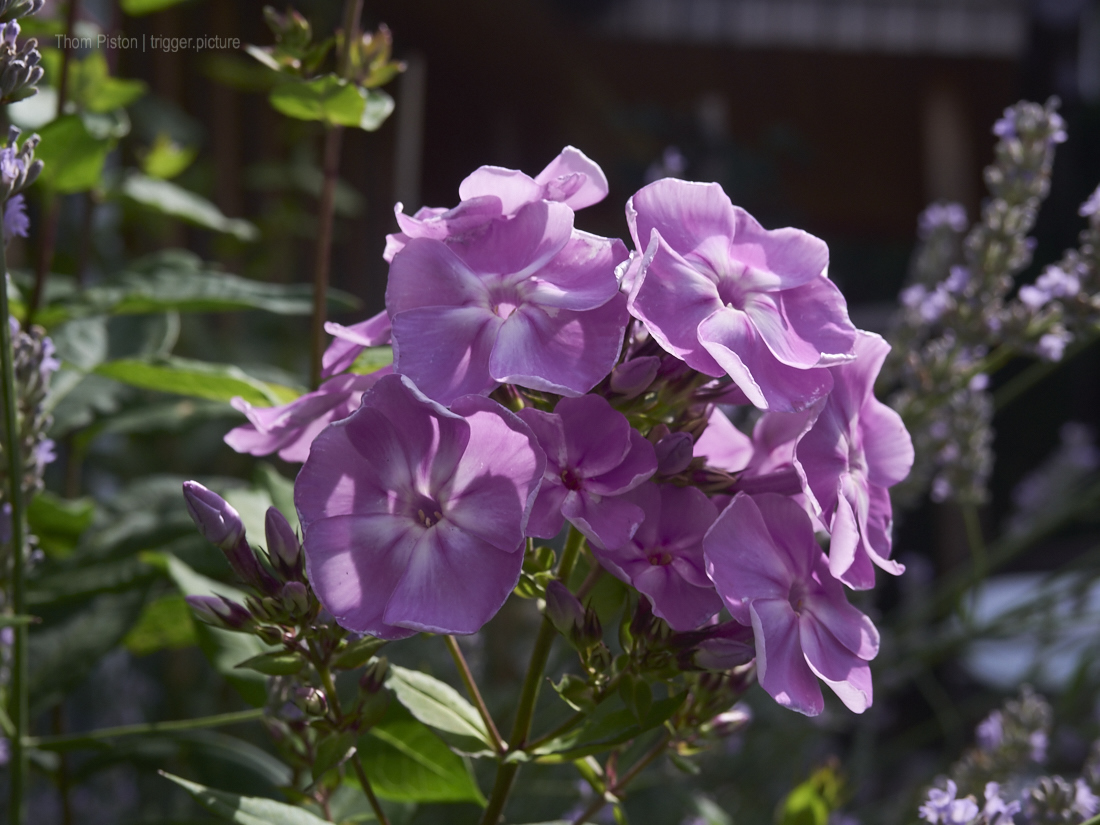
185,206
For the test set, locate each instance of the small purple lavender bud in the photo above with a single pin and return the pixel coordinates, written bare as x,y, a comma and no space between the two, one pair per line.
218,522
296,598
219,612
563,610
283,547
374,677
674,453
731,721
632,378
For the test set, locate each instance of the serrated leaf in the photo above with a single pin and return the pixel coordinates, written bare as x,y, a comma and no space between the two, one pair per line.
169,199
274,664
442,708
406,762
74,158
197,379
328,98
245,810
611,724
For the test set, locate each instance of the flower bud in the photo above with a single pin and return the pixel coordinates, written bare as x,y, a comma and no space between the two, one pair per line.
270,635
295,598
674,453
632,378
311,700
219,612
374,677
563,610
730,722
218,522
722,648
283,547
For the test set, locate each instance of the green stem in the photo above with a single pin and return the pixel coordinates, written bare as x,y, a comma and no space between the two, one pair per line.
628,777
375,806
92,738
475,694
20,701
578,717
529,693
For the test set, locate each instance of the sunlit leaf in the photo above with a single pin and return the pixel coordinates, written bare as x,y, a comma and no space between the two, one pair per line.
246,810
197,379
74,158
441,707
169,199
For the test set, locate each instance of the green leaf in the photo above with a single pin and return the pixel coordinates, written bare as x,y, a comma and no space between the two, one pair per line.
94,89
58,523
372,359
169,199
274,664
331,751
406,762
245,810
136,8
164,624
87,580
611,724
358,653
225,649
74,158
179,280
329,99
197,379
441,707
377,106
166,159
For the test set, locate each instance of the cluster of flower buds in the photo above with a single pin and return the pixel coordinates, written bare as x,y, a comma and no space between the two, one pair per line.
294,51
14,9
957,319
18,168
1002,768
34,364
370,62
19,65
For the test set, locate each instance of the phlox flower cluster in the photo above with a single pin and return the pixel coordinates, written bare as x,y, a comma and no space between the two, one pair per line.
544,376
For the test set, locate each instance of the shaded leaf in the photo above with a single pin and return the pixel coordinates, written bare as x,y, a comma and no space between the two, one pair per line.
610,724
87,580
198,379
58,523
406,762
331,751
169,199
358,653
274,664
74,158
245,810
441,707
164,624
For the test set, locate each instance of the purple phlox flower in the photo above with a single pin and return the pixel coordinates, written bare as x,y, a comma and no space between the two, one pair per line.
290,429
530,301
16,222
1091,206
593,457
990,733
942,807
351,341
856,449
413,515
939,215
1052,346
729,297
664,558
769,571
774,467
723,445
493,192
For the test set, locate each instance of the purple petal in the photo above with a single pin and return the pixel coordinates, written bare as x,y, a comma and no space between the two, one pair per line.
350,341
686,214
610,522
684,605
735,345
581,276
513,188
546,518
639,464
723,445
818,314
454,582
354,563
848,627
597,436
427,273
886,444
496,481
446,350
569,165
767,314
847,674
566,352
780,663
778,258
519,247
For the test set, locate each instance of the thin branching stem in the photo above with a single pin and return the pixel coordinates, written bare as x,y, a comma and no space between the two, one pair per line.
628,777
475,695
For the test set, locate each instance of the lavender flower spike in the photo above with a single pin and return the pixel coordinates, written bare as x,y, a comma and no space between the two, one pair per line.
413,515
767,567
857,448
729,297
593,457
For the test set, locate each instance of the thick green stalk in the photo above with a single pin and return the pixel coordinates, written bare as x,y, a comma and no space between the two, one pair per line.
19,707
529,694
